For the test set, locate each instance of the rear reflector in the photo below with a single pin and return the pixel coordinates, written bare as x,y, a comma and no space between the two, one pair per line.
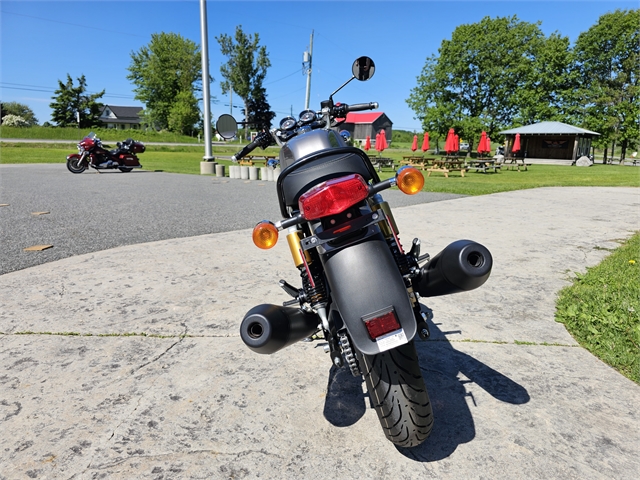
333,196
381,322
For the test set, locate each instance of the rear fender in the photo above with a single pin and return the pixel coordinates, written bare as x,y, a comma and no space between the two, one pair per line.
365,279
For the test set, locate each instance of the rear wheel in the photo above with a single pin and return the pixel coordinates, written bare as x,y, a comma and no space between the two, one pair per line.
76,165
125,169
399,395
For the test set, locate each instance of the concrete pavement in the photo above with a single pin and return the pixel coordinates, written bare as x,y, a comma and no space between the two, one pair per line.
127,363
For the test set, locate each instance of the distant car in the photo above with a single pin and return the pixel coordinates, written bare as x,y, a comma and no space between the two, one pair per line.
464,146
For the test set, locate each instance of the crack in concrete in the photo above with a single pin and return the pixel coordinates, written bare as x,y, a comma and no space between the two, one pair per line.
189,452
180,338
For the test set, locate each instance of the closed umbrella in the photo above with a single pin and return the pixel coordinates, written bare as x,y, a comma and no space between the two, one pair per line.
482,144
516,144
378,142
425,142
414,145
367,143
456,144
449,144
383,140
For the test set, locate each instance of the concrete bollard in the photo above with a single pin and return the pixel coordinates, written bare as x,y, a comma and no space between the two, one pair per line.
276,174
253,173
232,171
206,168
244,172
263,173
269,174
219,170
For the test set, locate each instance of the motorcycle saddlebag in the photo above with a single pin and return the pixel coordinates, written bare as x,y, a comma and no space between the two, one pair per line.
133,146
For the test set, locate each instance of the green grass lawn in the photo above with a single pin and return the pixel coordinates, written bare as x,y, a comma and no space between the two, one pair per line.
602,309
187,159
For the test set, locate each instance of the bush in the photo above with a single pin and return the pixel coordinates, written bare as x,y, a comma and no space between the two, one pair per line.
14,121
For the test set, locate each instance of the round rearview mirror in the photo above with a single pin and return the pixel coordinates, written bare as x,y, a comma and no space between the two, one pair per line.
227,126
363,68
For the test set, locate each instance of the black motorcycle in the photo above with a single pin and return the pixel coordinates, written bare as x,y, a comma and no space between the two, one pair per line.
359,287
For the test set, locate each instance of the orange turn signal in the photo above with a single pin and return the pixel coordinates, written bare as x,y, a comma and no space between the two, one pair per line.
265,235
410,180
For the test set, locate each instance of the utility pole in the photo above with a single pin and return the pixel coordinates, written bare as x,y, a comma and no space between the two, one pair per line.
306,65
206,96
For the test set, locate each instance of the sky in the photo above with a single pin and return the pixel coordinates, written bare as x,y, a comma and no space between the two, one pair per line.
43,41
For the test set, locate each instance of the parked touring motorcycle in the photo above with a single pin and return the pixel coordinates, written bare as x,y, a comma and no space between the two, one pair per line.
360,288
91,153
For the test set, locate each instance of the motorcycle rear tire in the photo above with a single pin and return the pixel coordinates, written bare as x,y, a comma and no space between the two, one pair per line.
125,169
75,166
398,394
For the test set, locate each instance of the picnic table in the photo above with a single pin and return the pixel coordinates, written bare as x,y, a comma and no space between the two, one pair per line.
448,164
381,162
252,160
483,164
515,162
416,161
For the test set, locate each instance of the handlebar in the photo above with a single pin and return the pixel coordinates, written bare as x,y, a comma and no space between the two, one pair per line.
362,106
263,139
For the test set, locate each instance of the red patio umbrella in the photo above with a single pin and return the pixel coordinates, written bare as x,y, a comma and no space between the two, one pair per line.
482,144
516,144
378,142
449,144
457,143
425,142
367,143
414,145
383,140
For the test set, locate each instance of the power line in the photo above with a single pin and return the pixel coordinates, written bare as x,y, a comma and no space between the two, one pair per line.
73,24
40,88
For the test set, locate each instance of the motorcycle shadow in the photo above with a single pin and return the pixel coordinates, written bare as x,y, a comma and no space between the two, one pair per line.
345,403
441,364
453,421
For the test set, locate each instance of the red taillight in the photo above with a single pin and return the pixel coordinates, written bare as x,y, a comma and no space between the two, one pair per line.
382,323
333,196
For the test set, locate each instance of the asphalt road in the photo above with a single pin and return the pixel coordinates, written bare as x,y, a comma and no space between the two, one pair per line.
94,211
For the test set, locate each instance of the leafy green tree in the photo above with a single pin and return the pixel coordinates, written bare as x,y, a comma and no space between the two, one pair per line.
69,101
548,93
245,69
608,55
260,114
166,73
19,110
475,81
184,113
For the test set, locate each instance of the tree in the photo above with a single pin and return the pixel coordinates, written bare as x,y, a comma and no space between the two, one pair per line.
166,73
245,69
548,92
476,81
69,102
184,113
608,55
260,114
19,110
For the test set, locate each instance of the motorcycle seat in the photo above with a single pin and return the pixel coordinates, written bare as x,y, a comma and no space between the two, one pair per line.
299,177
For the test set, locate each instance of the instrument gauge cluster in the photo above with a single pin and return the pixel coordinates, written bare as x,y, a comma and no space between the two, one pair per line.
307,116
287,123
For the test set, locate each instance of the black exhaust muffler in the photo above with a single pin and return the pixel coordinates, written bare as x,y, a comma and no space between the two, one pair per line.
461,266
269,328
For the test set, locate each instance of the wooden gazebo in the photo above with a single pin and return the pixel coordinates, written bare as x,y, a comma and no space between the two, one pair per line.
550,141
